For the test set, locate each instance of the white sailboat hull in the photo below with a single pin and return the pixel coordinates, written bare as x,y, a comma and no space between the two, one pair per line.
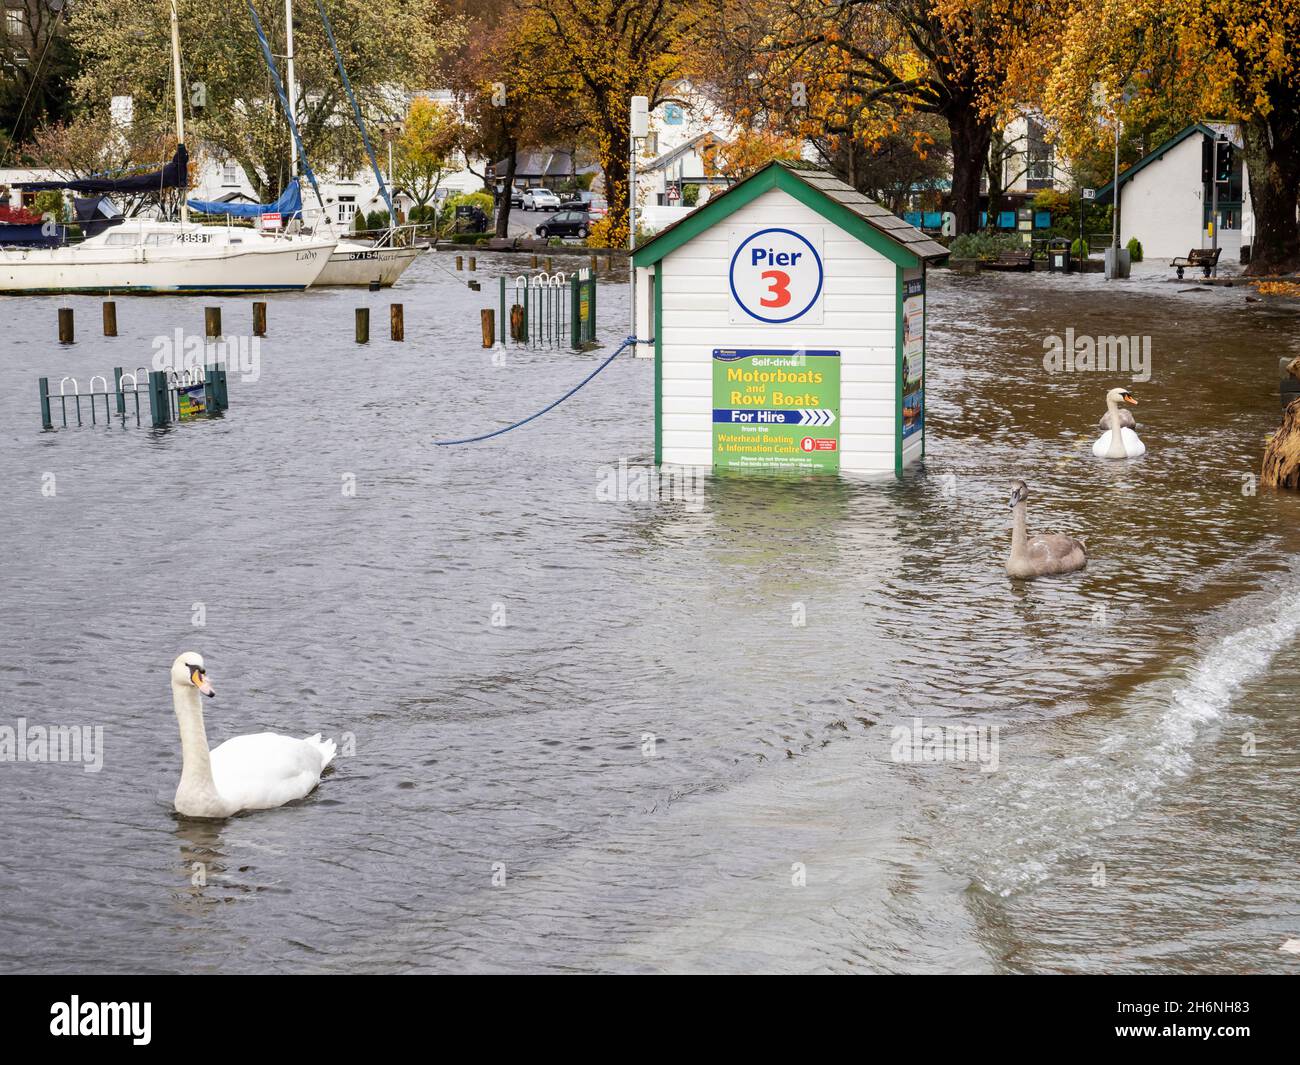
189,267
360,264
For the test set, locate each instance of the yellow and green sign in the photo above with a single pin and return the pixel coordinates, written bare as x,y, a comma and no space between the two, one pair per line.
776,409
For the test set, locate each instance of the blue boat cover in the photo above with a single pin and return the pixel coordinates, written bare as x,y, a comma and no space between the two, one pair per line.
289,205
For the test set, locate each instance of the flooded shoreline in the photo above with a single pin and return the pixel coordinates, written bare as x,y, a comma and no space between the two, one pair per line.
638,734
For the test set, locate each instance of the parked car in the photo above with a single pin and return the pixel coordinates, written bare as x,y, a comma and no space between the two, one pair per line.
516,196
566,224
586,201
540,199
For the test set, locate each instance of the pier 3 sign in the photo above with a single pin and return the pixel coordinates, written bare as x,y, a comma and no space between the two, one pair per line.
776,275
776,409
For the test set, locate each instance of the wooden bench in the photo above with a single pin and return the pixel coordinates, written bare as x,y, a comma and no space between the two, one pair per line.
1206,258
1011,260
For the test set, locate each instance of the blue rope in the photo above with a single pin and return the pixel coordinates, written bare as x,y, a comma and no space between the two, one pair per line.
356,112
488,436
284,101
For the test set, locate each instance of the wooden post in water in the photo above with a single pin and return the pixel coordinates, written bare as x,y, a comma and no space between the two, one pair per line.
489,321
460,262
593,266
517,323
548,264
110,318
259,318
396,323
212,321
363,325
534,262
66,332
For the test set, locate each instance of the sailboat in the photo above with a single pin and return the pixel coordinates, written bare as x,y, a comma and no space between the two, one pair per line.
142,255
352,262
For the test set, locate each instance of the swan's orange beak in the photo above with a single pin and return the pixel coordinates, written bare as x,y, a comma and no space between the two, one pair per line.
200,681
1130,399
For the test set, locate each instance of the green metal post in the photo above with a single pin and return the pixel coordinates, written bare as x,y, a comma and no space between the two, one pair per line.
223,397
47,422
159,401
504,323
117,387
210,405
575,315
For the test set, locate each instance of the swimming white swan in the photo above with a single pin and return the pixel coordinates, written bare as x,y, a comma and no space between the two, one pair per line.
1044,554
1118,441
245,773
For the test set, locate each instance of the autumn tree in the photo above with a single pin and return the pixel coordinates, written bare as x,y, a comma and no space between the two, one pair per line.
425,149
608,51
1184,60
36,65
847,71
387,46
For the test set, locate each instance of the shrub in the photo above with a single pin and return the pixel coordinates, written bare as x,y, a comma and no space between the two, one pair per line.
984,245
1079,249
377,220
1134,250
690,195
50,202
605,233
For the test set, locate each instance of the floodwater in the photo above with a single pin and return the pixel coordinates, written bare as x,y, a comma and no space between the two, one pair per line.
585,734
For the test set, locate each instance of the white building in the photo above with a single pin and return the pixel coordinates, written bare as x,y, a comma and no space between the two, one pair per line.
1165,197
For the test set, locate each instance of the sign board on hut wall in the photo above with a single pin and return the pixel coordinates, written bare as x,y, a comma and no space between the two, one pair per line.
776,409
913,412
776,275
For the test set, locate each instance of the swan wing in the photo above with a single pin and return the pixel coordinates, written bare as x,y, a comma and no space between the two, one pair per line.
1126,420
1102,445
265,770
1133,446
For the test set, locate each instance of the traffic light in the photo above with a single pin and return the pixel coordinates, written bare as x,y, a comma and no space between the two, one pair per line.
1225,160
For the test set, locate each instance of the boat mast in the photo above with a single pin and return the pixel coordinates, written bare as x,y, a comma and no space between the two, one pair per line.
292,87
180,107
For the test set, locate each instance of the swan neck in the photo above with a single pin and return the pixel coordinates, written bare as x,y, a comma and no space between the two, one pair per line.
1112,412
196,764
1018,534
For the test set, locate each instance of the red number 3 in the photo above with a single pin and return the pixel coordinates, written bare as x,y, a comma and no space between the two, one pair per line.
778,288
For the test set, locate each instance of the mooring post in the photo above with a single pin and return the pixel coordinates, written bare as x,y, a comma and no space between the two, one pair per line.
593,266
534,262
159,403
47,422
516,323
396,323
110,318
548,264
460,262
212,321
489,321
363,325
117,387
473,263
259,318
65,326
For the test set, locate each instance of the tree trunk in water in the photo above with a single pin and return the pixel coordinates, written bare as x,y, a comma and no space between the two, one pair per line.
971,136
503,206
1272,153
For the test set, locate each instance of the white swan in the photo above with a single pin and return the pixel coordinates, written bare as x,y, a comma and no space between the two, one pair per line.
245,773
1042,555
1119,441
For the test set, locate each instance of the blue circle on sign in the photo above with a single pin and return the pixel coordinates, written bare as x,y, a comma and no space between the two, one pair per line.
731,275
